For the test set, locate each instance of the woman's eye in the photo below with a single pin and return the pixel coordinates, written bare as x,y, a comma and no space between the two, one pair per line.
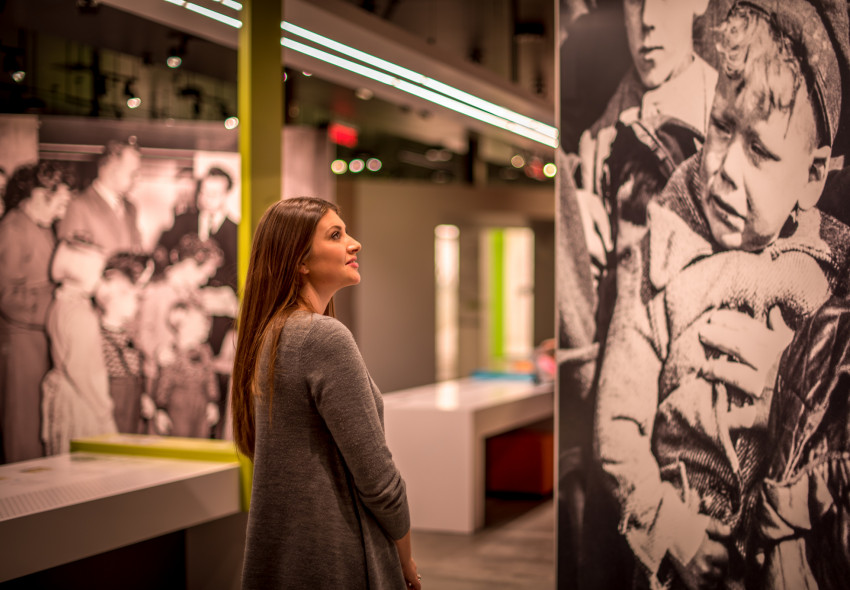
335,236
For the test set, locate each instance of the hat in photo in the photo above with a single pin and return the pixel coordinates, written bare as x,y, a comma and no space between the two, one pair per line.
819,31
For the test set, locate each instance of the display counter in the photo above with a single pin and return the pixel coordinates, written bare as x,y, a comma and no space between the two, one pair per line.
437,434
57,510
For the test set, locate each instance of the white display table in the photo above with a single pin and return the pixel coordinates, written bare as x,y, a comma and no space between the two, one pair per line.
67,507
437,436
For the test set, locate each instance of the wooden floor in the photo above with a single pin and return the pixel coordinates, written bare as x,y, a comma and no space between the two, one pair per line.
514,551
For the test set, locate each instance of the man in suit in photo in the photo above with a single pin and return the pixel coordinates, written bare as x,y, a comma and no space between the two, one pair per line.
101,214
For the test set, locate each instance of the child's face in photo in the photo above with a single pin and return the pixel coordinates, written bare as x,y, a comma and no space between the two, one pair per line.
194,273
123,301
660,35
118,297
756,170
194,327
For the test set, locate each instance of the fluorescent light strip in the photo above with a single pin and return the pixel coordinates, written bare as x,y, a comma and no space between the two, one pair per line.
233,22
470,99
469,104
410,88
231,4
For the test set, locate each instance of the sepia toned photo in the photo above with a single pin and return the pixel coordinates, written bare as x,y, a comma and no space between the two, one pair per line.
118,287
702,287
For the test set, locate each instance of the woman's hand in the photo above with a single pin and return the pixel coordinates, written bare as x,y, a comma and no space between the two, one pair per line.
408,566
413,579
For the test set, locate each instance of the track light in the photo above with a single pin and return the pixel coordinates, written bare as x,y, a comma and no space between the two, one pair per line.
230,121
133,100
12,66
177,51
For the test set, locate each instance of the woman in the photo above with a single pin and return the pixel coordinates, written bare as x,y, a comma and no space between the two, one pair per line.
329,508
37,196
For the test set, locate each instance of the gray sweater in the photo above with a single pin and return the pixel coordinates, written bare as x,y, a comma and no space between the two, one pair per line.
327,498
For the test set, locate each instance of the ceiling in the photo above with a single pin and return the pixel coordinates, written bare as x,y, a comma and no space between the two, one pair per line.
440,47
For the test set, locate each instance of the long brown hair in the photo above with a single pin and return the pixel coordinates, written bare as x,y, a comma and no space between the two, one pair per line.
272,292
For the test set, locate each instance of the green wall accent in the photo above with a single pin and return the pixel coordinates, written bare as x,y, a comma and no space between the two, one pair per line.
497,294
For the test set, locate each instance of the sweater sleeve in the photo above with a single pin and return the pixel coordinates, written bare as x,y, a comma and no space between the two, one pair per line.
653,517
342,389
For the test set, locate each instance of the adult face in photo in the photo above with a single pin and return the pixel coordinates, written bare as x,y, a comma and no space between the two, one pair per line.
660,36
52,203
120,171
213,190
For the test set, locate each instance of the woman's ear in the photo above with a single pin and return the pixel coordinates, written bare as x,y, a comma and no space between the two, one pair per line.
303,268
817,178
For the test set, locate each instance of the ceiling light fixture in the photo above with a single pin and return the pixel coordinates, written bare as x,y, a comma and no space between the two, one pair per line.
133,100
419,91
403,79
422,80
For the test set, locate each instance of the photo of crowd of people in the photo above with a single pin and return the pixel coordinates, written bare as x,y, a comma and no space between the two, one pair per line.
703,294
117,296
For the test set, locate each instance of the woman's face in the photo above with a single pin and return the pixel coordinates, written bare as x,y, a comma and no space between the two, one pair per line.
332,261
51,205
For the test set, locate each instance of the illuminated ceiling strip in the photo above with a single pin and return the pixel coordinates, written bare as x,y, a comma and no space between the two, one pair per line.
415,90
231,4
233,22
418,78
468,104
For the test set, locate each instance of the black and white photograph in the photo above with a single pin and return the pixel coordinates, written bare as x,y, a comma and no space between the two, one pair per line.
702,285
118,284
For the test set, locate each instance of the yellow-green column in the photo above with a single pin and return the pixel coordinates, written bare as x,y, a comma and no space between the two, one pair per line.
260,116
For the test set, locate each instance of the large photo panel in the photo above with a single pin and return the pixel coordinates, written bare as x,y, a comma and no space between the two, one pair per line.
118,281
702,278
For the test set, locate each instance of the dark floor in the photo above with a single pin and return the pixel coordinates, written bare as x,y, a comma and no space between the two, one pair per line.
514,551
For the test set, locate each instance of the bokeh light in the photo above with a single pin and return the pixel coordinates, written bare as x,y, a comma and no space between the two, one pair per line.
339,166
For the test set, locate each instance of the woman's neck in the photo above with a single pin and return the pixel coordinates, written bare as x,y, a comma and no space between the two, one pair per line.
315,301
